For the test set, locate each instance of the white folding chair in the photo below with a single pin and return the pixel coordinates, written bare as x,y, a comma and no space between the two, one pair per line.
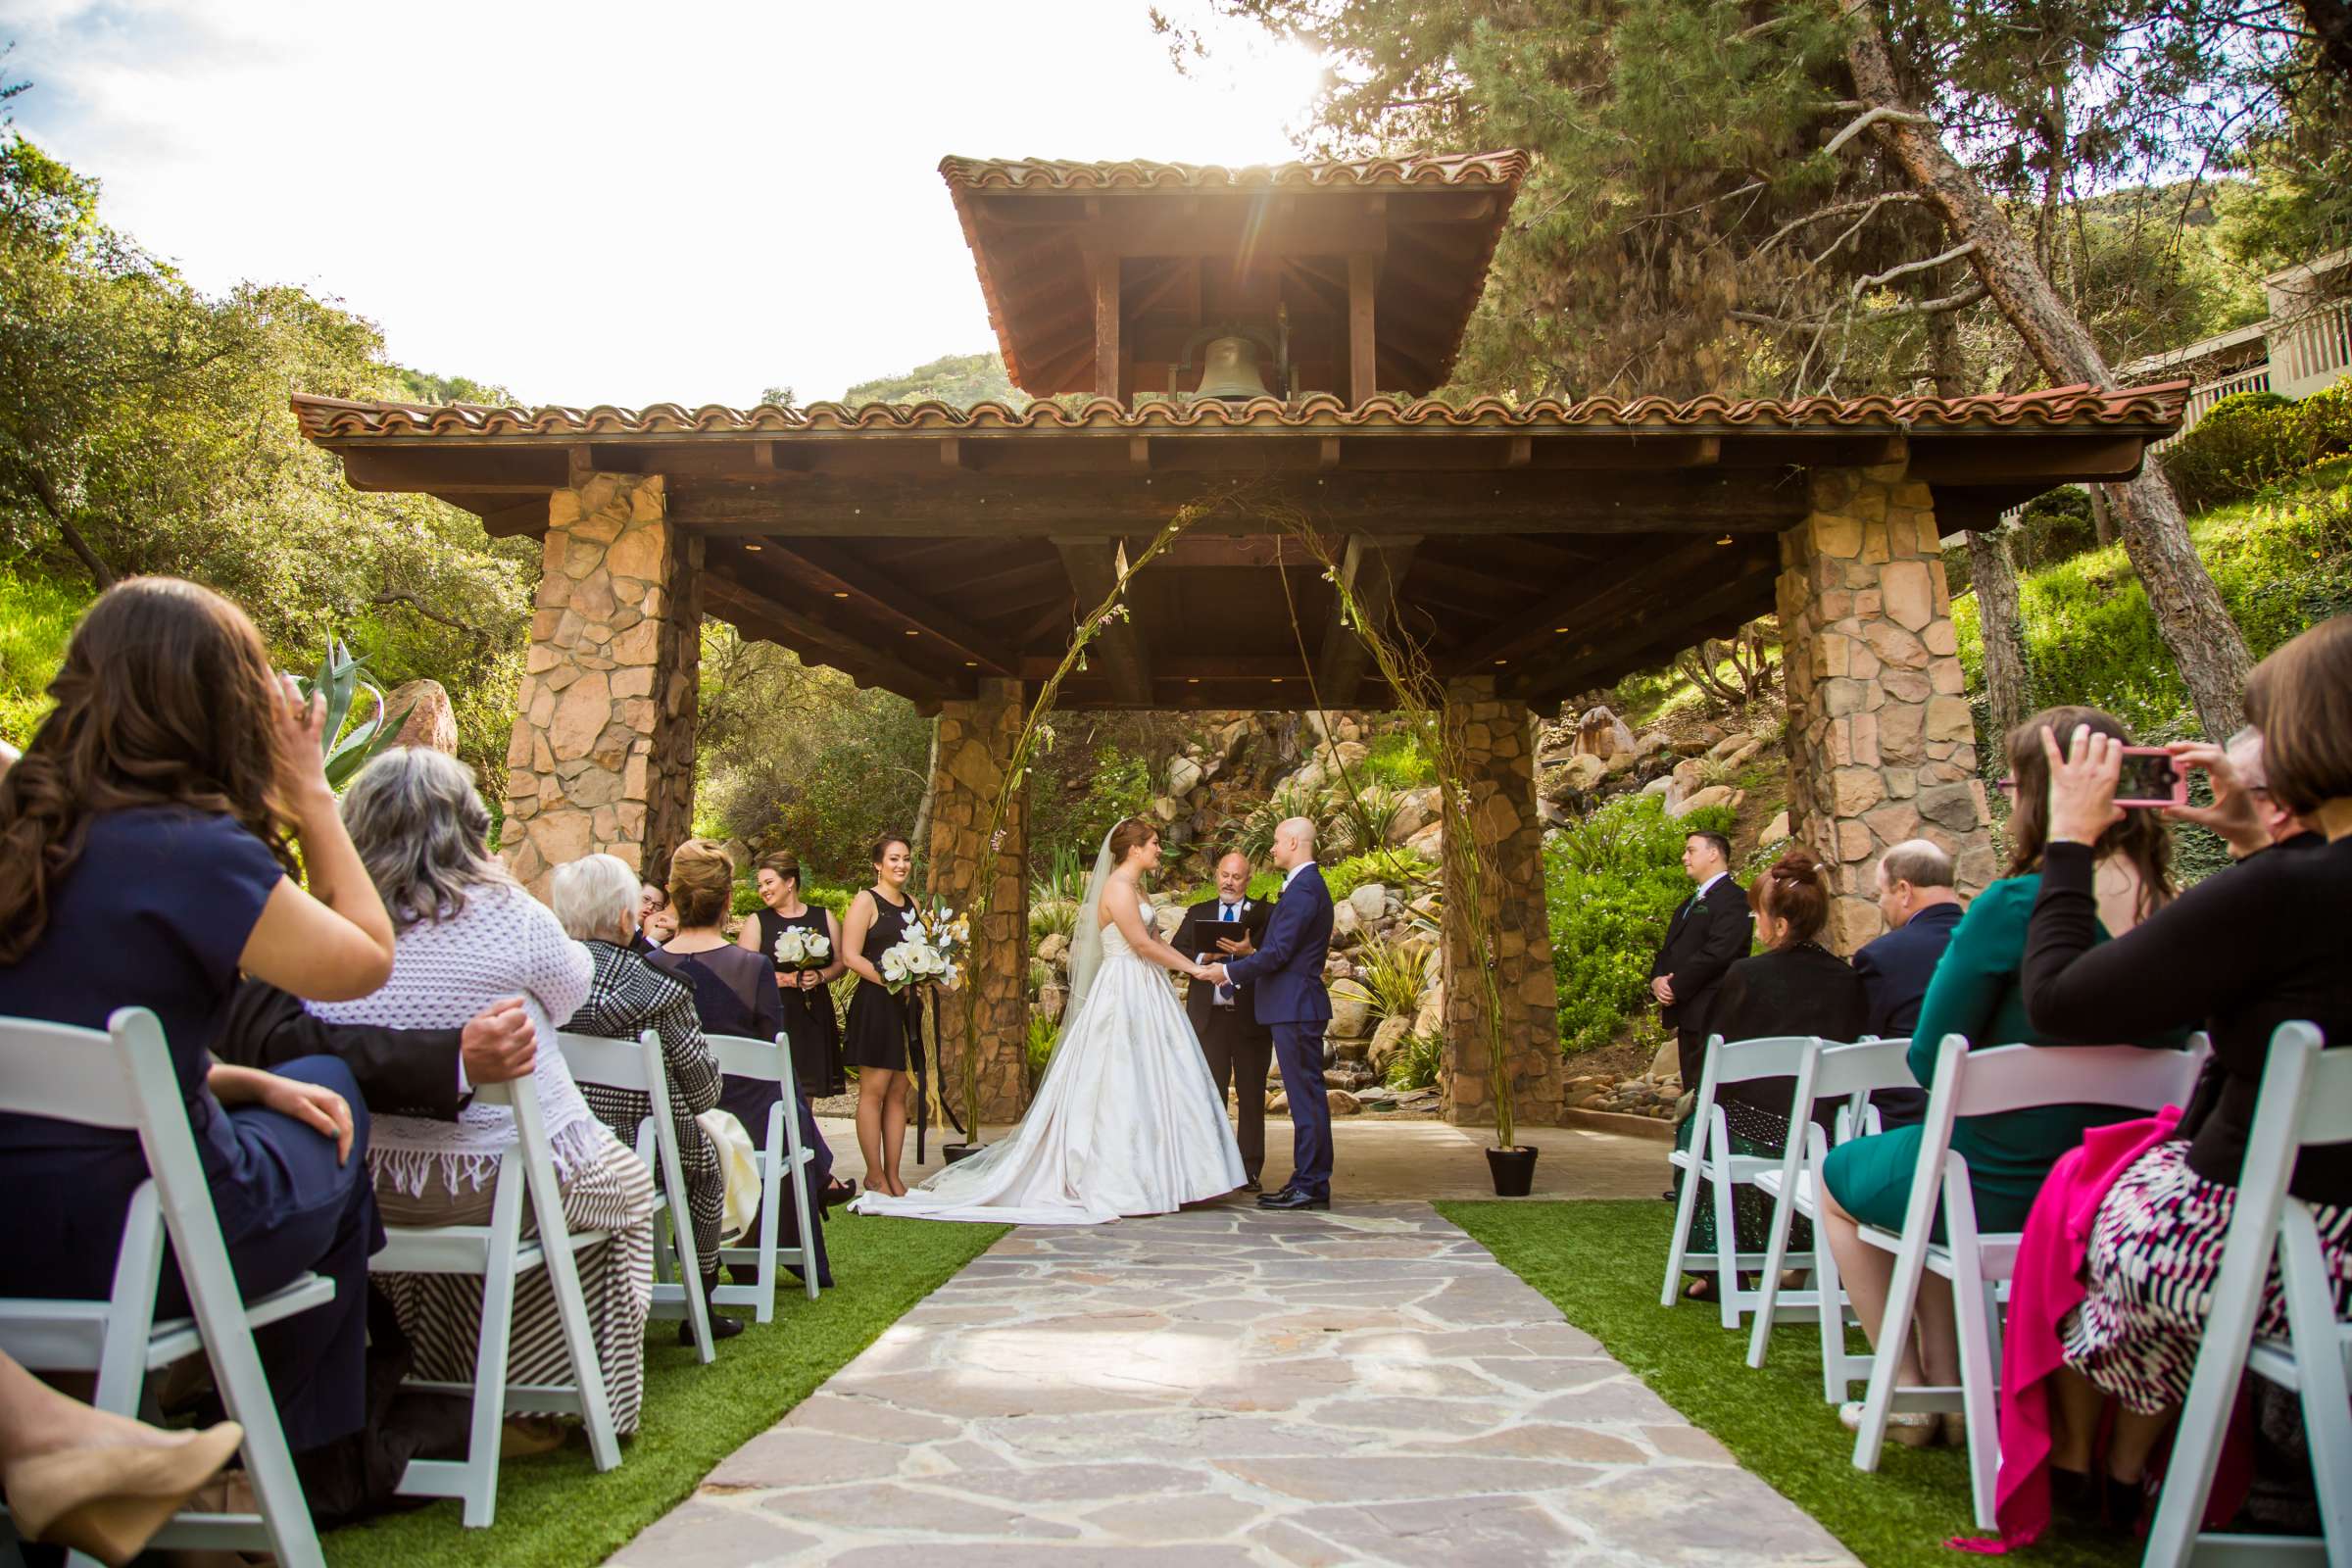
123,1080
2306,1099
782,1158
638,1065
502,1255
1710,1162
1849,1073
1987,1083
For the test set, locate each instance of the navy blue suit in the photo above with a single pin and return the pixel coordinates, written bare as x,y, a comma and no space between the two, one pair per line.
1288,971
1895,969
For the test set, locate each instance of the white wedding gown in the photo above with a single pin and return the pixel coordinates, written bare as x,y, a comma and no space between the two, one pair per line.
1127,1120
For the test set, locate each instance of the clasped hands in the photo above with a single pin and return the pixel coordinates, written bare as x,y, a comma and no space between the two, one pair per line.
1232,948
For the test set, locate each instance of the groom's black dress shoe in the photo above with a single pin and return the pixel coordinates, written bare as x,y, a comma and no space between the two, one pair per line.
1292,1197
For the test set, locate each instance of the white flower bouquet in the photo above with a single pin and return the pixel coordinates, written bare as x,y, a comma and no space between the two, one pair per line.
930,952
800,948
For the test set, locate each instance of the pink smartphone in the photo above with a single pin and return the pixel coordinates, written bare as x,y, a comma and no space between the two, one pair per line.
2150,778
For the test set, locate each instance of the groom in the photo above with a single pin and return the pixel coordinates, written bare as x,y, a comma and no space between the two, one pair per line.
1288,969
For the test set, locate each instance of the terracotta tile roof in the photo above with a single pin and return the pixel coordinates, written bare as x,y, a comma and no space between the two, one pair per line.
1468,170
2150,410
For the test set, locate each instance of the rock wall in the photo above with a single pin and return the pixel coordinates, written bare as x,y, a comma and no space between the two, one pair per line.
603,751
975,743
1880,740
1496,739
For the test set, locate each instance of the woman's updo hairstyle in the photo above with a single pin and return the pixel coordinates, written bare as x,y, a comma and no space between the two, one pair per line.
785,864
882,845
1794,889
1131,834
702,882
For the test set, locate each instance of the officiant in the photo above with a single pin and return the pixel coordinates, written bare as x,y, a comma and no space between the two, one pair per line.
1240,1050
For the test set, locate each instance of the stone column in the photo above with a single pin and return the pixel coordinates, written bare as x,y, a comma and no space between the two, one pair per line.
975,743
1882,744
602,752
1495,739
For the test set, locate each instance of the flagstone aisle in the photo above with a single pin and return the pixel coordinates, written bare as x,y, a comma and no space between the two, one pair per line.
1229,1386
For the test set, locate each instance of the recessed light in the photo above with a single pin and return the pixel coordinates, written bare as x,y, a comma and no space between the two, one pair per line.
754,549
1277,680
1192,681
1725,540
971,663
1502,661
911,632
839,595
1559,631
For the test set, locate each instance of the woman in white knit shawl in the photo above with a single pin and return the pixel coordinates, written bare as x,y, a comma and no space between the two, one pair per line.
468,934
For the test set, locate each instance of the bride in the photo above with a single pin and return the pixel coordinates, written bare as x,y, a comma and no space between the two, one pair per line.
1127,1119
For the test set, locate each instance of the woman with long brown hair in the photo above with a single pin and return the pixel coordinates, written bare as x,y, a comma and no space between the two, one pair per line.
1975,994
149,833
879,1018
805,989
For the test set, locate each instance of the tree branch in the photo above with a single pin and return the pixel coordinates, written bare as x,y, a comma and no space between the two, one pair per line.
1869,118
391,597
101,574
1881,279
1864,205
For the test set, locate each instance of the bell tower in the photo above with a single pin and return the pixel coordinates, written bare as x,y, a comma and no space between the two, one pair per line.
1175,281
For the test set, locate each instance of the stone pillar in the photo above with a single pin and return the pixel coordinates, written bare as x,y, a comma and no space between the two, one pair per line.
1497,743
1882,744
975,743
602,752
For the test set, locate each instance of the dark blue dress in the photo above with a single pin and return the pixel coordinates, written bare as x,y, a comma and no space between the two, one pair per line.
155,914
735,994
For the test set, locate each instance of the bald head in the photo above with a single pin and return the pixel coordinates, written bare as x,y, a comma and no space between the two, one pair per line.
1293,842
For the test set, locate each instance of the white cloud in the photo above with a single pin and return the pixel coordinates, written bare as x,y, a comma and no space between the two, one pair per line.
596,202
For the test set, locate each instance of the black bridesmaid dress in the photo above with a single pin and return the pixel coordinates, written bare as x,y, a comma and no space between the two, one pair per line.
809,1016
878,1020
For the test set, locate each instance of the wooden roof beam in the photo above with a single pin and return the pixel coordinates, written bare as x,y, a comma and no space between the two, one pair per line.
1651,641
1568,608
728,597
1093,566
1371,569
827,565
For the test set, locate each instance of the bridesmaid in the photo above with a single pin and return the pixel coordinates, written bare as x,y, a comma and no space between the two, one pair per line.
878,1020
809,1017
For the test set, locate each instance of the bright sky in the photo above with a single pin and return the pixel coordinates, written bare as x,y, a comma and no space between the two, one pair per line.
592,202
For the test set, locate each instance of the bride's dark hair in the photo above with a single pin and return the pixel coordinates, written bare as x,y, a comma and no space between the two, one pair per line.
1131,834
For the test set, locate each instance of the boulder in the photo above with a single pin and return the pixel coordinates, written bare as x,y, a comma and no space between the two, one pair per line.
739,855
1601,733
1183,776
1776,829
1051,1001
1429,843
1345,923
1431,1019
1686,773
1342,1102
1668,1062
1337,967
1387,1041
1578,775
1055,949
431,721
1350,1011
1164,808
1166,918
1712,795
1415,811
1657,742
1371,902
1730,743
1663,784
1741,755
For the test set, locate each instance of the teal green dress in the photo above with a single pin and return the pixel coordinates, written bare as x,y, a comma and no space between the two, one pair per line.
1974,994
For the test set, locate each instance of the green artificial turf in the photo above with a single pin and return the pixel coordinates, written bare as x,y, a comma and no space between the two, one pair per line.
557,1511
1600,1263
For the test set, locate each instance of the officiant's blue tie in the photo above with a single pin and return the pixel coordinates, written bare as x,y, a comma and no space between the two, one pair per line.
1227,917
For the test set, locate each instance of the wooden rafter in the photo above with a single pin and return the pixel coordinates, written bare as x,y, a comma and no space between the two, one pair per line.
1641,641
1093,566
731,598
1629,583
1371,569
886,597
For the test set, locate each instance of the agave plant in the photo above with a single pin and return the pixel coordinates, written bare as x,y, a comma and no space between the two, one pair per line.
342,677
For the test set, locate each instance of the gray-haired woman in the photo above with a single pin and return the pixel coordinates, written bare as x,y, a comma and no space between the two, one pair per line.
465,935
596,898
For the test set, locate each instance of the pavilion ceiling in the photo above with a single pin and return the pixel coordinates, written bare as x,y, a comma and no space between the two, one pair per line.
1555,546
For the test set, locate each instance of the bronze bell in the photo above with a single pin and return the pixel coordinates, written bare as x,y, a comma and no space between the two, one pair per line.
1229,369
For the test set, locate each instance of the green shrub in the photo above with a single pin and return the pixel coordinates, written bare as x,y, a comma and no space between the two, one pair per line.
1394,868
1048,918
1256,836
2056,526
1415,1064
824,897
2327,420
1392,972
1365,825
2243,443
37,616
1399,761
1063,878
746,901
1610,884
1038,1048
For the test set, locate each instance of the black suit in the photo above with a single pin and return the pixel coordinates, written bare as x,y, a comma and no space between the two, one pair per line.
1240,1050
402,1072
1896,969
1711,933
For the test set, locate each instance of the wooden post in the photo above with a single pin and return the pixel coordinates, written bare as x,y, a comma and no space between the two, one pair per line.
1362,354
1107,325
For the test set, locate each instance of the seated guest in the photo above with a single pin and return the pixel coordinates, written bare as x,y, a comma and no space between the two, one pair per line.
655,923
597,900
148,838
1974,993
2237,954
735,994
401,1073
1795,987
809,1017
470,935
1915,895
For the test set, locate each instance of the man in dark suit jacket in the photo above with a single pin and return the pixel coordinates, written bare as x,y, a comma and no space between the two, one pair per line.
1288,966
1711,933
1915,895
402,1072
1239,1047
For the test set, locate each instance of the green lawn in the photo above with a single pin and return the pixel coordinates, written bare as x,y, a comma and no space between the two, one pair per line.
558,1513
1600,1263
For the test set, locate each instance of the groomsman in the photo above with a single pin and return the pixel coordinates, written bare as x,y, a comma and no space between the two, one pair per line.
1292,1000
1237,1047
1711,933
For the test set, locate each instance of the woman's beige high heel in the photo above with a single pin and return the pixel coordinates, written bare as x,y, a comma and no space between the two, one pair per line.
110,1502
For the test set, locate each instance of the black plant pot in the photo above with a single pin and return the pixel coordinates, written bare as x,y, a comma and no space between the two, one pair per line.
956,1151
1513,1170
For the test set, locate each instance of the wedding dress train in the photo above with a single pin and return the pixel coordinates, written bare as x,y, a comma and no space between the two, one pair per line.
1126,1120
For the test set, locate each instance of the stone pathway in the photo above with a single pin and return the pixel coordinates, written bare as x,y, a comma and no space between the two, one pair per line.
1223,1386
